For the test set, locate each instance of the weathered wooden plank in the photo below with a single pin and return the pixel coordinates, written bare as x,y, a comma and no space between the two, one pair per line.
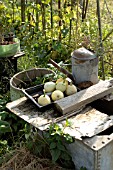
86,122
26,110
84,97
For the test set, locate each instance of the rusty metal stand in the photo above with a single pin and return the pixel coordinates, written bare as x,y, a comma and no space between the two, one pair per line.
8,67
14,59
12,63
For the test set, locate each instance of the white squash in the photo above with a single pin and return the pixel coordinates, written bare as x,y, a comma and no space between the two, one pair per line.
49,86
56,95
61,84
44,99
62,80
71,89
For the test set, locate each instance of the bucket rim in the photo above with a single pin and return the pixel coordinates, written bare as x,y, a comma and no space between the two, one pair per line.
19,89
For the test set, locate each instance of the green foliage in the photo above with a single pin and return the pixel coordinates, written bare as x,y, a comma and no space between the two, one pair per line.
40,45
11,127
42,37
6,21
4,125
8,120
36,143
3,147
57,139
50,144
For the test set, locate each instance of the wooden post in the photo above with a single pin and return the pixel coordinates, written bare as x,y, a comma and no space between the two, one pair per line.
70,28
37,16
23,10
59,13
100,39
43,19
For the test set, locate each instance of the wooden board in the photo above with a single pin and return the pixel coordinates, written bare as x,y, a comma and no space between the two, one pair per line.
87,122
27,110
84,97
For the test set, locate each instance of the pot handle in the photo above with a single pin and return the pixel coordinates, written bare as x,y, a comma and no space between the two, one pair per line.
62,69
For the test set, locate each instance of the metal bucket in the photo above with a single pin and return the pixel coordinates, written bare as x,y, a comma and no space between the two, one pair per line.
15,91
84,66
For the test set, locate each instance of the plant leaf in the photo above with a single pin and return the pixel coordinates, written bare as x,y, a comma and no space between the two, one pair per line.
4,127
55,153
52,145
61,147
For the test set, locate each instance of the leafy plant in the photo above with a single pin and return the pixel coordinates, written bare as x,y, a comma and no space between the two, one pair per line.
56,140
50,144
6,27
10,127
4,125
